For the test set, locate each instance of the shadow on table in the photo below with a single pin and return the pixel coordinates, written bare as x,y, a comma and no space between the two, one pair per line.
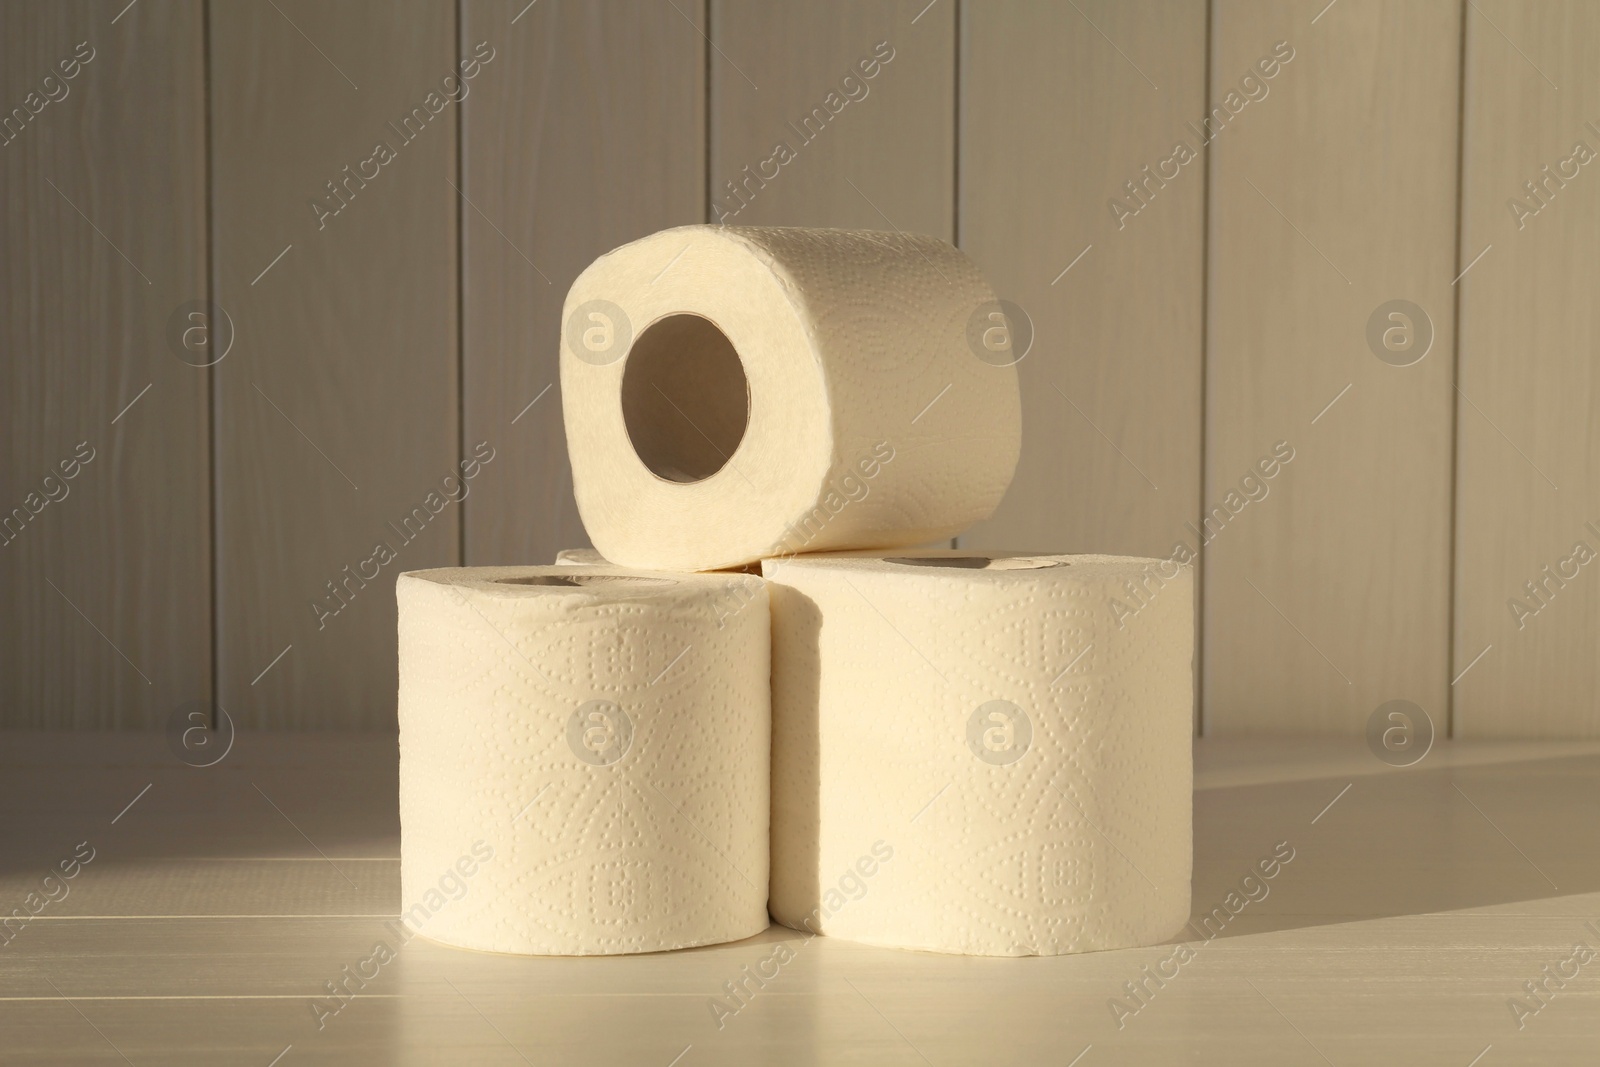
1406,842
273,796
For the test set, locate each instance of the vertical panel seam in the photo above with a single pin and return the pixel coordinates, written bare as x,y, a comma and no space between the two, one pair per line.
461,292
212,383
1454,519
707,117
955,119
1205,365
955,144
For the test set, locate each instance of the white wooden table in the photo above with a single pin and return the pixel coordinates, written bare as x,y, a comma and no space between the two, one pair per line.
221,901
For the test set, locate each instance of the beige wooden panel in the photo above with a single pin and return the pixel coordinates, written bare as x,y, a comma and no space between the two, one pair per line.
104,576
587,133
859,152
1061,106
337,412
1527,469
1330,196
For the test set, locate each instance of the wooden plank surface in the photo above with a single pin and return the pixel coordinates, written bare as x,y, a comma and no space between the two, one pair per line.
860,97
337,410
1394,877
1326,587
1527,472
104,554
588,132
1111,387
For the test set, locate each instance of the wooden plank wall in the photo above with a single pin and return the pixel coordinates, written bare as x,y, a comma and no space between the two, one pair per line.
588,133
1331,194
105,600
386,321
1111,387
1528,470
337,411
884,161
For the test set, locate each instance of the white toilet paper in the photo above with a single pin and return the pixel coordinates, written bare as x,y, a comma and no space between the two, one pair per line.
733,393
604,735
982,756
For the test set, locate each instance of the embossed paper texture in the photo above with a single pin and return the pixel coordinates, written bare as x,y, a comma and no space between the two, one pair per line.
605,738
979,756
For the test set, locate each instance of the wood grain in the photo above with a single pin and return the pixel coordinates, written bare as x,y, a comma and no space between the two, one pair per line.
337,410
104,575
874,153
1111,386
1527,472
1336,958
1330,196
589,134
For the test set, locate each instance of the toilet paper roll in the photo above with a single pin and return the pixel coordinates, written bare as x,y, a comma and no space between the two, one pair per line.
603,735
985,756
733,393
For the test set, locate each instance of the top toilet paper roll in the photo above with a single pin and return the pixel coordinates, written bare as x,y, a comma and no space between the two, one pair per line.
986,756
735,393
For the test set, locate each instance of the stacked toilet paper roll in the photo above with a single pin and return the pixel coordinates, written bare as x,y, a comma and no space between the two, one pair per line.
734,393
981,755
965,753
593,744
